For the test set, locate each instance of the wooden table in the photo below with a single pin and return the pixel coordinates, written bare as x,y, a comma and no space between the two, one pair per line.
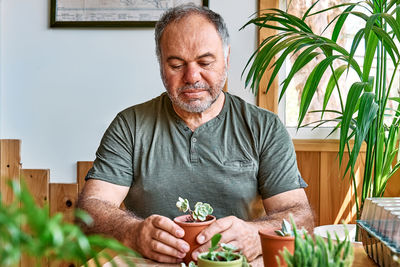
361,259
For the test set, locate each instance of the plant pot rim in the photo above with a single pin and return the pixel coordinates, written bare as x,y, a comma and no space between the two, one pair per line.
182,220
206,260
270,233
323,230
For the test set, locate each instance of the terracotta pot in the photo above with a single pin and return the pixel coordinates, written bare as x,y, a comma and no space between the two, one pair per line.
272,244
192,229
207,263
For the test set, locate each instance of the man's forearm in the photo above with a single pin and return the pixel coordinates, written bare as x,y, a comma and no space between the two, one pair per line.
302,215
109,220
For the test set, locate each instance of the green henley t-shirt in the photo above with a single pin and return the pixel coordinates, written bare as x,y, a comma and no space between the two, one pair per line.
242,153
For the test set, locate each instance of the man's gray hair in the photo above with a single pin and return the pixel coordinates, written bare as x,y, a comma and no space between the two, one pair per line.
179,12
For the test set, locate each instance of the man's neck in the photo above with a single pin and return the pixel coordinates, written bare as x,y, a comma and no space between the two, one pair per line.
195,120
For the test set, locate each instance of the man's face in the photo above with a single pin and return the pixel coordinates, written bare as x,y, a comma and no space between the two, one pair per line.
192,64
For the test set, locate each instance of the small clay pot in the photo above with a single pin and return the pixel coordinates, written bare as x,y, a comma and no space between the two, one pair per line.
272,244
192,229
207,263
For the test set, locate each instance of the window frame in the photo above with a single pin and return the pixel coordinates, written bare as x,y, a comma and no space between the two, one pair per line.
270,100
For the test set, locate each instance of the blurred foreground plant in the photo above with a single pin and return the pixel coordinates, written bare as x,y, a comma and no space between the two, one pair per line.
26,228
314,253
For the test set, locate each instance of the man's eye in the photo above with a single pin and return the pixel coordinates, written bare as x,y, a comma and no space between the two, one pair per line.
205,64
176,67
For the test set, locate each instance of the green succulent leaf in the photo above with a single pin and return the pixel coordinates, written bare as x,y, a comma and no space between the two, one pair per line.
182,204
201,211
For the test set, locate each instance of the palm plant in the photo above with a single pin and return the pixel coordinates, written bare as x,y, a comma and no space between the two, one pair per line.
364,114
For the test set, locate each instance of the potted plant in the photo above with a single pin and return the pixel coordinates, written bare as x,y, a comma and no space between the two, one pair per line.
364,114
28,229
309,252
220,255
273,241
193,223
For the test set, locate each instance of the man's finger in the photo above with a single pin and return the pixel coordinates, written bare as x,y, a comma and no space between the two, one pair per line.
164,258
161,248
170,240
168,225
219,226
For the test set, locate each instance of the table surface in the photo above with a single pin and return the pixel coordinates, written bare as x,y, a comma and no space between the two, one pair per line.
361,259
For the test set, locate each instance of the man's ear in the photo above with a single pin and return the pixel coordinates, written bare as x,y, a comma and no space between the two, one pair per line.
228,56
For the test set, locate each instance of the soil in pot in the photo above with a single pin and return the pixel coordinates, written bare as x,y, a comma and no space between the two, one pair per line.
272,244
192,229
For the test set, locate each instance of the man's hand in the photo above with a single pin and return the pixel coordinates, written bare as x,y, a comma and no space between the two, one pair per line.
156,237
159,238
243,235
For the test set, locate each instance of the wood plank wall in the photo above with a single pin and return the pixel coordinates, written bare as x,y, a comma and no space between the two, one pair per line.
60,197
330,195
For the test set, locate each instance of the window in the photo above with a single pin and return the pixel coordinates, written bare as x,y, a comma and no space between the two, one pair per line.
289,106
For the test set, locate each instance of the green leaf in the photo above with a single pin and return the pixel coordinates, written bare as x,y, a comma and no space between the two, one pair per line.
331,85
183,204
369,55
351,102
214,241
311,86
366,115
303,59
341,20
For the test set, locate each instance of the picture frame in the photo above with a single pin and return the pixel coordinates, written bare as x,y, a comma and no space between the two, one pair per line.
111,13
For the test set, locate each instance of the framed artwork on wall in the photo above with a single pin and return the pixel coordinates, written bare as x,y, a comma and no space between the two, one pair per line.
111,13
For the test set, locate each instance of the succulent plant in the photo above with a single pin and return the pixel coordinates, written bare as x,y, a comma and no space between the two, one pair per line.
200,212
310,253
286,229
221,252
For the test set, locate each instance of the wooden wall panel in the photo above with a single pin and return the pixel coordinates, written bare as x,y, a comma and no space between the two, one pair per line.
31,262
326,145
335,191
82,169
37,182
9,166
63,199
309,167
359,173
393,186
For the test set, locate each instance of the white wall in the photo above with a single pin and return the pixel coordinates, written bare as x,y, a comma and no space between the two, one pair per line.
60,88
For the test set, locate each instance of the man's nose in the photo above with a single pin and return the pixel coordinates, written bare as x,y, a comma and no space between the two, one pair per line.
192,74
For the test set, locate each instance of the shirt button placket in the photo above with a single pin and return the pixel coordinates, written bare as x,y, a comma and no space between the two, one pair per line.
193,153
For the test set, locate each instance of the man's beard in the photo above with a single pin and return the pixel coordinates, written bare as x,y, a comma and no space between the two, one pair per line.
198,105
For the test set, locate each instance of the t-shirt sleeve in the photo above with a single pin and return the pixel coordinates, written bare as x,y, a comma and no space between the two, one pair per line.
114,157
278,170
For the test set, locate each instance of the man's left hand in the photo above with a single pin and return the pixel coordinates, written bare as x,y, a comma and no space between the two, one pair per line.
243,235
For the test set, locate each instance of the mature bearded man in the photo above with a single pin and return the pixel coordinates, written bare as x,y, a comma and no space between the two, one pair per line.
196,142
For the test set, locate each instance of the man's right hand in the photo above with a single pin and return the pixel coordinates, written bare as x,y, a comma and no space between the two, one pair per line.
159,238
